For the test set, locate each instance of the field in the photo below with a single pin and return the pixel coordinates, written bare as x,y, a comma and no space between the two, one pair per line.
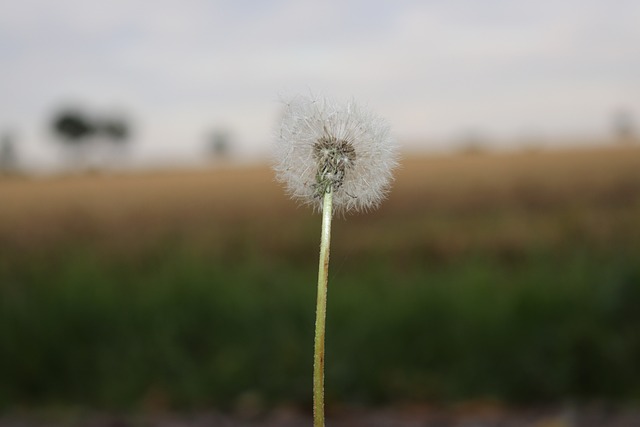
508,277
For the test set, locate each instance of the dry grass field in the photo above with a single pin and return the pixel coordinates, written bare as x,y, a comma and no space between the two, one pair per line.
450,202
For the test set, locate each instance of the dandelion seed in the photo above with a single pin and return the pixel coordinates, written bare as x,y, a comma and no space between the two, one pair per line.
324,145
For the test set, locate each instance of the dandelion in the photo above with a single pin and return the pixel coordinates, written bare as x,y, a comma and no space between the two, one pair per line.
325,146
336,158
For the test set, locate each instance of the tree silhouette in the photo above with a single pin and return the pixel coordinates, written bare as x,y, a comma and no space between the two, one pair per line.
220,143
116,129
84,134
72,126
624,128
8,158
74,130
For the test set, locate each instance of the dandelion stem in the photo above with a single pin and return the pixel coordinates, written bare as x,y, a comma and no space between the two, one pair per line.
321,312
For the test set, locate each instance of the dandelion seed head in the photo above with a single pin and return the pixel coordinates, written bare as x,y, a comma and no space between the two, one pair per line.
324,145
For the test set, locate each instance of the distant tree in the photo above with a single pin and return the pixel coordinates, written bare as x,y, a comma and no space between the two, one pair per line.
72,126
623,127
74,129
473,143
8,157
116,129
82,134
220,143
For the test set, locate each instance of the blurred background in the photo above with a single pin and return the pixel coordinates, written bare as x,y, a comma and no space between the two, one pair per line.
150,265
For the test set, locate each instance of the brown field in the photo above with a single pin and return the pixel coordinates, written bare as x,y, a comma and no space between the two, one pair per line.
444,204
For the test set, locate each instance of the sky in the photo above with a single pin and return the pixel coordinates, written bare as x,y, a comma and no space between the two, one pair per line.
437,70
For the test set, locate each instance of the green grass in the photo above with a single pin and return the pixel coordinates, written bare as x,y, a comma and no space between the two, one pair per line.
189,329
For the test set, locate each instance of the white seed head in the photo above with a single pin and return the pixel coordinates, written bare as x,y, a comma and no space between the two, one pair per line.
323,145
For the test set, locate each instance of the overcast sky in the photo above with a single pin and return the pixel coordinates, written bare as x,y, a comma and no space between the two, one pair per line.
435,69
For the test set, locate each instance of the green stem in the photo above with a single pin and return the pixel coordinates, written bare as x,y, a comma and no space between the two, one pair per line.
321,312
